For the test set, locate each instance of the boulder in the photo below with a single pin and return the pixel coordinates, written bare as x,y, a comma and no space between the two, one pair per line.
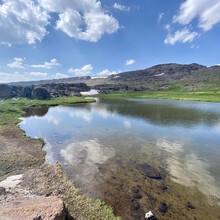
40,93
149,171
50,208
26,92
4,91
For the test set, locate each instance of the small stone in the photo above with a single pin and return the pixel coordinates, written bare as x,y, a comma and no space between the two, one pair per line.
135,190
164,208
163,187
2,191
190,206
136,205
137,196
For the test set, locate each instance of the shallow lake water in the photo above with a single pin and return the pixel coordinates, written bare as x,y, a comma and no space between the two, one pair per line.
101,145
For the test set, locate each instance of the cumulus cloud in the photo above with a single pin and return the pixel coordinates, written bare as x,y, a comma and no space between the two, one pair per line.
121,7
26,21
84,20
22,21
207,12
17,63
84,71
182,36
9,77
47,65
17,76
60,76
106,72
129,62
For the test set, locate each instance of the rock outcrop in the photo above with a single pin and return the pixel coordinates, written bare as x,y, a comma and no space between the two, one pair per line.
39,207
44,91
18,203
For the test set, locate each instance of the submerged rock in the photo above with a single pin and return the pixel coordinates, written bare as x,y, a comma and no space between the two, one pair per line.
190,206
163,187
149,171
164,208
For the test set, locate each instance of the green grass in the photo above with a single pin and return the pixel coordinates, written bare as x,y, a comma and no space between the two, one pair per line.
206,96
11,109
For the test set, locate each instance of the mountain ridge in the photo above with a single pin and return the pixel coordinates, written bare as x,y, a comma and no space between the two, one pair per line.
158,77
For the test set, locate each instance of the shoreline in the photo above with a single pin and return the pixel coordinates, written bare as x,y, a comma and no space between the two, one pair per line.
22,155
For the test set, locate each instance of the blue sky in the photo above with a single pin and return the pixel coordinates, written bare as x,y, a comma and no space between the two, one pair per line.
43,39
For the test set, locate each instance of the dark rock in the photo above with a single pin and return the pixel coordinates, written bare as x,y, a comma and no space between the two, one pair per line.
163,187
27,92
40,93
135,190
190,206
137,196
2,191
136,205
43,91
164,208
4,91
149,171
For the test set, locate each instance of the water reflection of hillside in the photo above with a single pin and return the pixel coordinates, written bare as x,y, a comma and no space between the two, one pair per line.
164,113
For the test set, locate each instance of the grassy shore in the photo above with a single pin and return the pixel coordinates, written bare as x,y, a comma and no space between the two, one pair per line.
23,155
206,96
12,109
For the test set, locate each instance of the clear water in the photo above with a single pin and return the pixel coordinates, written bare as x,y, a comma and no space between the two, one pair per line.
180,136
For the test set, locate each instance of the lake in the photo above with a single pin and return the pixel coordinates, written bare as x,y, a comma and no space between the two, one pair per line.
137,154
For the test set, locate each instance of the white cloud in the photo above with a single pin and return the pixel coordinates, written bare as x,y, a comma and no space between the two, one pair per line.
60,76
17,76
121,7
207,12
160,17
38,74
182,36
84,71
26,21
47,65
17,63
9,77
168,27
129,62
84,20
22,21
106,72
217,64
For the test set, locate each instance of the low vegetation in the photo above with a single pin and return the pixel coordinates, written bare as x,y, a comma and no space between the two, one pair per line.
207,96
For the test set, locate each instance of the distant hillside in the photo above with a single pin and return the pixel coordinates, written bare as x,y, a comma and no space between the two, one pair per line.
164,76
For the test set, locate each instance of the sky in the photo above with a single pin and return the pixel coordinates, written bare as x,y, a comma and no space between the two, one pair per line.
45,39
